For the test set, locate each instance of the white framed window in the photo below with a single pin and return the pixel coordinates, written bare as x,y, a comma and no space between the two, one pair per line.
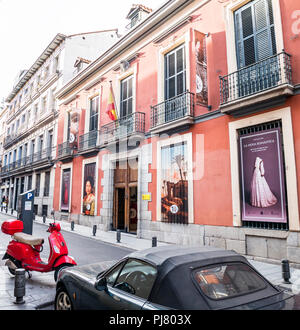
175,180
173,66
126,97
289,159
65,195
89,186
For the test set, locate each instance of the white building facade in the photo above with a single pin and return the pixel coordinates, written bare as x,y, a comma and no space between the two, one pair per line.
30,127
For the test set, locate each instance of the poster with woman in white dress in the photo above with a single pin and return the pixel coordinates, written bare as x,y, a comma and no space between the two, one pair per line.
262,177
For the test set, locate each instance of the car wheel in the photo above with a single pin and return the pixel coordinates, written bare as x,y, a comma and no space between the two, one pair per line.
63,300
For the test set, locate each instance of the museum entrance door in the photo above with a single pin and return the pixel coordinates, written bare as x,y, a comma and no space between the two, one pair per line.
125,196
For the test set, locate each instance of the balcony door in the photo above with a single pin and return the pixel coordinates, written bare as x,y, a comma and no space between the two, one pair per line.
175,83
93,125
126,107
255,46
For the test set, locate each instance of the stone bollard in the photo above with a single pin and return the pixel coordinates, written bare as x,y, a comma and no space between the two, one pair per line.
94,230
154,241
19,291
118,236
286,271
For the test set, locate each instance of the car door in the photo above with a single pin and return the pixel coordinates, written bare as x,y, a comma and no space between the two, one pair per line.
129,286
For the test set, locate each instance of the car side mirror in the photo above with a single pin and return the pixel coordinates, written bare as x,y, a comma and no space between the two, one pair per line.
101,284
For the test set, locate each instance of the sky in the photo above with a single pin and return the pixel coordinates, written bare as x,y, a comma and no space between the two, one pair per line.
28,26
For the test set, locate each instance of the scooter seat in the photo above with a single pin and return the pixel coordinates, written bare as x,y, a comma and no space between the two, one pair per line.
28,239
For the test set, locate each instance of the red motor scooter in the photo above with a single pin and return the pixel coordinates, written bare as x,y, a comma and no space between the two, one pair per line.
24,250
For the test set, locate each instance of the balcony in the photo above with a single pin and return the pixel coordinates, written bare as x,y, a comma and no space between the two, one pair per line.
64,152
39,159
172,114
88,143
261,85
132,125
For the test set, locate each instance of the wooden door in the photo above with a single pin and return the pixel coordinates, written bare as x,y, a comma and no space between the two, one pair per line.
125,197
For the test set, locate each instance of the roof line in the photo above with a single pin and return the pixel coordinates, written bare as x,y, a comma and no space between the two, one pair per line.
83,33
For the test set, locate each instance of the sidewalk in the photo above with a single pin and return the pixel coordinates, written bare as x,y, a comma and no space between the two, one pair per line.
44,292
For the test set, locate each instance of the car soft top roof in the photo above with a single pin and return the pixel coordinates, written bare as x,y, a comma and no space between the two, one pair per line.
177,255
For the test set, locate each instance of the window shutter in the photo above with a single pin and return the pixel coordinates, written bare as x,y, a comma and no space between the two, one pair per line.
255,33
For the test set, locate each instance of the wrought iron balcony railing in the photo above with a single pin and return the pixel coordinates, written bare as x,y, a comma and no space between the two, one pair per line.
42,155
64,149
88,141
123,127
175,108
261,76
31,160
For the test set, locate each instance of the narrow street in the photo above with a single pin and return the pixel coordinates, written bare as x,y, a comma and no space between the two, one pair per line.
84,250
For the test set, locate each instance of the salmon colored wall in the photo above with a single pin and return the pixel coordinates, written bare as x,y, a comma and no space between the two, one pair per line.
76,185
212,192
291,25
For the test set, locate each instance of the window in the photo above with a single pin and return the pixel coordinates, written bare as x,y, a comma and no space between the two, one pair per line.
175,72
47,184
32,149
228,280
36,108
29,183
41,141
44,103
94,110
37,185
137,278
112,276
50,139
255,32
25,150
126,96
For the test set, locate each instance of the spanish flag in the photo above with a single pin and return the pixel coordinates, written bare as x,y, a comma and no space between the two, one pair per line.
111,109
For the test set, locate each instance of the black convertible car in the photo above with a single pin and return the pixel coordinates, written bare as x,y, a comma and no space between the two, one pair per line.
170,277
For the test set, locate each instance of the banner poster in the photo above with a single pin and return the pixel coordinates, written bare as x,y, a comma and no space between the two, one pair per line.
74,128
88,203
174,183
65,190
262,177
201,68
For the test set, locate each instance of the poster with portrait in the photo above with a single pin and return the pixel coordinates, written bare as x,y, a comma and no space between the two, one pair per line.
174,183
201,68
89,181
262,177
74,127
65,190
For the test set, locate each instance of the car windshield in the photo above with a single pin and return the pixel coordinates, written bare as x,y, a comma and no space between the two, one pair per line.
228,280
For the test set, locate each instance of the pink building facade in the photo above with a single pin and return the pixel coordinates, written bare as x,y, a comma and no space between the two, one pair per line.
205,150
